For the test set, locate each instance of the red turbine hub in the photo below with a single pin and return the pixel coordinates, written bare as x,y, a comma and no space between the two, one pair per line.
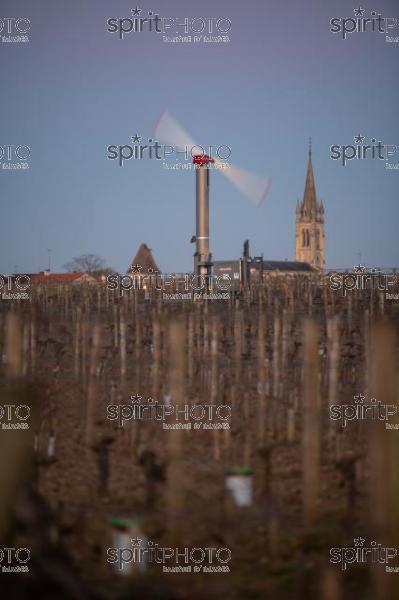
202,159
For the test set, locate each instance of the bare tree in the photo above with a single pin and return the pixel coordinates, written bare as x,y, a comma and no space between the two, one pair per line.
87,263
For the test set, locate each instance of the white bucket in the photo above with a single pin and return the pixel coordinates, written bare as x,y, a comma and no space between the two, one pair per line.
122,538
240,486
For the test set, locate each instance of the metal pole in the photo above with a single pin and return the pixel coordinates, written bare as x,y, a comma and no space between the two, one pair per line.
202,256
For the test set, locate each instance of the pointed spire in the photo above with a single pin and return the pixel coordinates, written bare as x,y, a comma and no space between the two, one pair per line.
143,261
309,197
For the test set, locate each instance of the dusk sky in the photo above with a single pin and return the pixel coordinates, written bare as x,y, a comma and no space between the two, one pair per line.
76,89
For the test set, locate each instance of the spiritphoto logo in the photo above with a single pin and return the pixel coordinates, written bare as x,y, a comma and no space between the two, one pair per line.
360,410
14,416
185,416
14,30
171,29
173,287
361,554
363,23
205,295
14,287
173,560
14,560
361,279
14,157
192,166
153,150
361,150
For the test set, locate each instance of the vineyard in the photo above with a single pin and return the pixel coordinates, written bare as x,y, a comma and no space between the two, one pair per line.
263,425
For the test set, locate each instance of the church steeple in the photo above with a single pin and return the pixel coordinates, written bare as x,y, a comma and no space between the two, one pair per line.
309,196
309,245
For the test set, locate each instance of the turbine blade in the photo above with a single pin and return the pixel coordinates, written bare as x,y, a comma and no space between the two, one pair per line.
250,185
168,131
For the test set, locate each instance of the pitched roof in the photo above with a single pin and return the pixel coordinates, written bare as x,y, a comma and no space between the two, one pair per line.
286,265
143,259
268,265
47,277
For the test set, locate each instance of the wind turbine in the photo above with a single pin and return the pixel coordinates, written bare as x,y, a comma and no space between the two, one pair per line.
168,131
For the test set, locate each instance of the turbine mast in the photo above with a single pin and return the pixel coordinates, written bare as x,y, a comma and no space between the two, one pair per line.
202,256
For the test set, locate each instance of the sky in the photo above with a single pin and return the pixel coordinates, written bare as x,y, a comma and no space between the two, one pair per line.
75,88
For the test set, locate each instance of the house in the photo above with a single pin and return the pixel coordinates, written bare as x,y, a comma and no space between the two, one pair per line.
74,277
